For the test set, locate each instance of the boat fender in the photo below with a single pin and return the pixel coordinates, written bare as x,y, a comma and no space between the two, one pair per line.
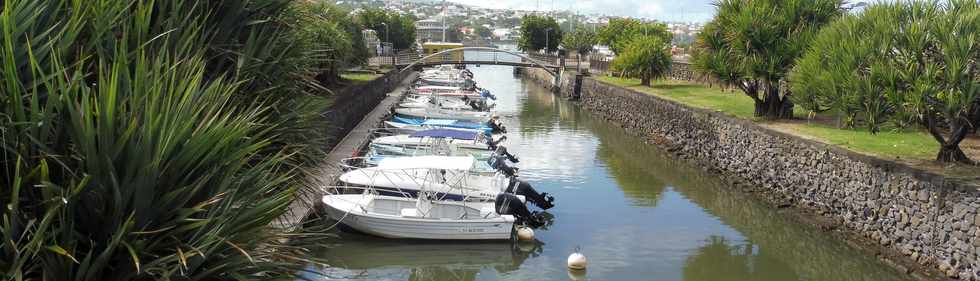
525,233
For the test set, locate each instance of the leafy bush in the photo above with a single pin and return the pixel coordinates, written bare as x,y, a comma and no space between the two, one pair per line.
539,33
621,31
644,57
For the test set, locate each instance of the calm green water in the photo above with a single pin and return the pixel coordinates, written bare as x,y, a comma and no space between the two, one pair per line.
636,213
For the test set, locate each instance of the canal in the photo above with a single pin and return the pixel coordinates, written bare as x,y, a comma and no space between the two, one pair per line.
635,212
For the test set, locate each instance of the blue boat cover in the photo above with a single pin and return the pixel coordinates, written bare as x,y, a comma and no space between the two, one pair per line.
446,123
446,133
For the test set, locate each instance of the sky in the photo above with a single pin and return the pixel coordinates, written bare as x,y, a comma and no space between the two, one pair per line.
664,10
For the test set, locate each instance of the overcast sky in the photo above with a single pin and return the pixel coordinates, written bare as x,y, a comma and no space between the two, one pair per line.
665,10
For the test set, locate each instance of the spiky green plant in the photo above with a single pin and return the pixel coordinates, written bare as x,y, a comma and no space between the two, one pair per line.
752,45
900,63
151,140
645,57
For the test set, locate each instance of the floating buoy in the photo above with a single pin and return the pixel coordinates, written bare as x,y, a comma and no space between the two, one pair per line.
525,233
577,261
577,274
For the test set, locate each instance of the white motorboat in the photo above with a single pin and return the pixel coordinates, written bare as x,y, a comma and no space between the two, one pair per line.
439,113
419,218
439,142
446,102
405,128
430,138
458,178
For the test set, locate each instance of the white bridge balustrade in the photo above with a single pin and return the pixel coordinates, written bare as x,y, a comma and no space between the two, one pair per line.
407,59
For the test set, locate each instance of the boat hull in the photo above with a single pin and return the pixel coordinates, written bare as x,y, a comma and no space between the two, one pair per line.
397,227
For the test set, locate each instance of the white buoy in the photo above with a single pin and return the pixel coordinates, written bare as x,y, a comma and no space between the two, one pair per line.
577,261
525,233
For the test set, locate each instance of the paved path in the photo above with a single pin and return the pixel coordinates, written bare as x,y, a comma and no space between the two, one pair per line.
308,198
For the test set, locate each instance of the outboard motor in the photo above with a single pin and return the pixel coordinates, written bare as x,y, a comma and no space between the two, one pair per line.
519,187
502,150
510,204
492,144
496,127
497,162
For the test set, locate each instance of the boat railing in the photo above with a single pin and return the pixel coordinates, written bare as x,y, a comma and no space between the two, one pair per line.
352,163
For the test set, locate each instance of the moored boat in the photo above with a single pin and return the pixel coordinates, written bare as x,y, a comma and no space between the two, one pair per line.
419,218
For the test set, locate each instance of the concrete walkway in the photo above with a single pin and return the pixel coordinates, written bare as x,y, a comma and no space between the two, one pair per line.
308,198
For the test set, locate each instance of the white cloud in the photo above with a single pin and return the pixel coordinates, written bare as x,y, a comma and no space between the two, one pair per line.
666,10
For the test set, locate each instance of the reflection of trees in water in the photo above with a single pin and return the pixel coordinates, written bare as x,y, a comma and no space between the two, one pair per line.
436,273
719,259
644,170
631,170
538,112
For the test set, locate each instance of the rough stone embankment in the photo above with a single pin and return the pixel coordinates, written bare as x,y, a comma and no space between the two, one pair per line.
916,220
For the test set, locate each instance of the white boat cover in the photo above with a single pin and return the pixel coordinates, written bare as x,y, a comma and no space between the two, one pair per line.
428,162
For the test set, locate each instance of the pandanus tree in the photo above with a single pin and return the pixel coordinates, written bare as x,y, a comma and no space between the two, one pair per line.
644,57
752,45
900,63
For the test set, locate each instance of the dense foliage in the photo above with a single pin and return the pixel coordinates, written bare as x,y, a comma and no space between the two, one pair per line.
157,140
900,63
753,44
539,33
401,28
620,31
644,57
579,41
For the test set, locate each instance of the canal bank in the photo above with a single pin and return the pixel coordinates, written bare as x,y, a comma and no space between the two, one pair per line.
355,111
632,209
917,220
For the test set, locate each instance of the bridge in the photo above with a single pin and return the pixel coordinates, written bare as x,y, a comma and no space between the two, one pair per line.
478,56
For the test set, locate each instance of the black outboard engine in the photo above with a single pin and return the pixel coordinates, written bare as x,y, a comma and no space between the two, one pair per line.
497,162
510,204
519,187
492,144
496,127
502,150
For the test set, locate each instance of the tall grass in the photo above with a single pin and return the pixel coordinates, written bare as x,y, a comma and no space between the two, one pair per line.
152,140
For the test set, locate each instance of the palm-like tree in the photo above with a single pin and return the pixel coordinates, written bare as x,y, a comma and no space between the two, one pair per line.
753,44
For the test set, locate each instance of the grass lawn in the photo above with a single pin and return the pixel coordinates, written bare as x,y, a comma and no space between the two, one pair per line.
359,77
909,144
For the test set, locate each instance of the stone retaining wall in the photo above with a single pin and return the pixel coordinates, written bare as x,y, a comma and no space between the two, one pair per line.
353,102
916,218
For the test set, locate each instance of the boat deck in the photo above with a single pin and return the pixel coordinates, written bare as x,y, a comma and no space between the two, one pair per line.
309,197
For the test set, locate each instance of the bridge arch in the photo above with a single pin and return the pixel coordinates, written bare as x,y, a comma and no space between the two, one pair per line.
534,62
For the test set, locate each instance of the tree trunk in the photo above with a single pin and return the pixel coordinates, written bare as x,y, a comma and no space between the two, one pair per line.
952,153
771,106
645,80
949,148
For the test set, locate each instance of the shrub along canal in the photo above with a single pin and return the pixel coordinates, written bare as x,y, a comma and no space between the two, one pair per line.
636,213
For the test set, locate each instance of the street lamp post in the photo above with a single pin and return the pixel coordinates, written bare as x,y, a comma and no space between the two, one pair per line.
386,31
547,40
385,40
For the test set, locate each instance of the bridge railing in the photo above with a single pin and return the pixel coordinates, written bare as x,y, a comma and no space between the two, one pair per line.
407,57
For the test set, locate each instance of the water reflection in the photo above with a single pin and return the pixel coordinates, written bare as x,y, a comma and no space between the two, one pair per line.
769,243
721,259
370,258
